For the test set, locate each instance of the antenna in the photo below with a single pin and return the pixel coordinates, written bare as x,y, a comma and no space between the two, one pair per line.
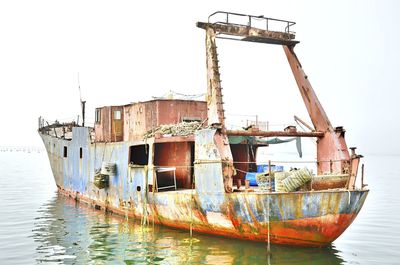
83,102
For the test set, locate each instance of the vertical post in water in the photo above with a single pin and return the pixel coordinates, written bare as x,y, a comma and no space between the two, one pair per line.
269,227
191,215
268,211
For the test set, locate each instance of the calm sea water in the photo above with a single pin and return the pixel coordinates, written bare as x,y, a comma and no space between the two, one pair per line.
39,227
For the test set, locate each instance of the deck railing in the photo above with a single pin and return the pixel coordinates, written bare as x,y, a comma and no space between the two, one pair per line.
261,22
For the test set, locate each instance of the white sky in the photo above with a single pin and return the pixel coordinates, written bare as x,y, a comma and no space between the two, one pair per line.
131,50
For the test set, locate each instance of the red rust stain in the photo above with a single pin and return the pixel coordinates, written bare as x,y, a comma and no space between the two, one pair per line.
200,216
317,231
232,217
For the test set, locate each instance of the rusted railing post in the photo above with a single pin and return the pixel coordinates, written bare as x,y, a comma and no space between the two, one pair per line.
238,183
247,184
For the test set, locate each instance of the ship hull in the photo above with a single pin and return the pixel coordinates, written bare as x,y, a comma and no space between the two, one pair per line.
311,218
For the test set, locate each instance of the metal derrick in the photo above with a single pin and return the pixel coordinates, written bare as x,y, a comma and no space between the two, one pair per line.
331,144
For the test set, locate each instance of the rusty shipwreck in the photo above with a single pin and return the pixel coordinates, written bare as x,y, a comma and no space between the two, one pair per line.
174,162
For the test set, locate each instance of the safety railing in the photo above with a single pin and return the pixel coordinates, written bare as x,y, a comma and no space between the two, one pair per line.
261,22
60,128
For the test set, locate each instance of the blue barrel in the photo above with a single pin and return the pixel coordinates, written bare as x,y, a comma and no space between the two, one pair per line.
251,176
264,168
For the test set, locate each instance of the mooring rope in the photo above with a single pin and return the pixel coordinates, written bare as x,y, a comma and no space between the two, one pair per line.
249,162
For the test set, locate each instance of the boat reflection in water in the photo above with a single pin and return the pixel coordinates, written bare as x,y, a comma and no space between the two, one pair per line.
66,233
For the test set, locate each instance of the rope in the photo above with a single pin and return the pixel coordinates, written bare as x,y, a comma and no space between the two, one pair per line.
244,162
301,126
283,162
241,171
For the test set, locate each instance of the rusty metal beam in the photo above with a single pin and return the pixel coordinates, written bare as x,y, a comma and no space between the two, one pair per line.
333,145
274,133
315,110
215,109
251,34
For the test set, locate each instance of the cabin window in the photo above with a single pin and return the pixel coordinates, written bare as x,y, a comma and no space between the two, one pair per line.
139,154
65,151
98,115
191,119
80,153
117,115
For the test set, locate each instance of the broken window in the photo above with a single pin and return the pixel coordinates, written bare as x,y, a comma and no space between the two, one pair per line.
65,151
97,115
174,165
139,154
244,157
117,115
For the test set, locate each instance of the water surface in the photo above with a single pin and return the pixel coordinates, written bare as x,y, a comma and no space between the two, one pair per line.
37,226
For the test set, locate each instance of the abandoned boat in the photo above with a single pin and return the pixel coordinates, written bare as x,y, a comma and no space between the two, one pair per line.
174,162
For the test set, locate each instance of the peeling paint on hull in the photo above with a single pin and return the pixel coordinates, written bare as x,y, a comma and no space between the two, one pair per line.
313,218
304,230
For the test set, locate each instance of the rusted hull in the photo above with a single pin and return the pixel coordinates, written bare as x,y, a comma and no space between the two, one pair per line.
314,225
313,218
291,226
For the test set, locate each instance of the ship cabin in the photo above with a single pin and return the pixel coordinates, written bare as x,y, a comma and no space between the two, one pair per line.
164,129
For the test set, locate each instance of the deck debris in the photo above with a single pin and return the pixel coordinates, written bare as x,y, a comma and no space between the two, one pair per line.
179,129
296,179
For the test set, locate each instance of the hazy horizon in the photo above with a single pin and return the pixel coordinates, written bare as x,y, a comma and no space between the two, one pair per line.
126,52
